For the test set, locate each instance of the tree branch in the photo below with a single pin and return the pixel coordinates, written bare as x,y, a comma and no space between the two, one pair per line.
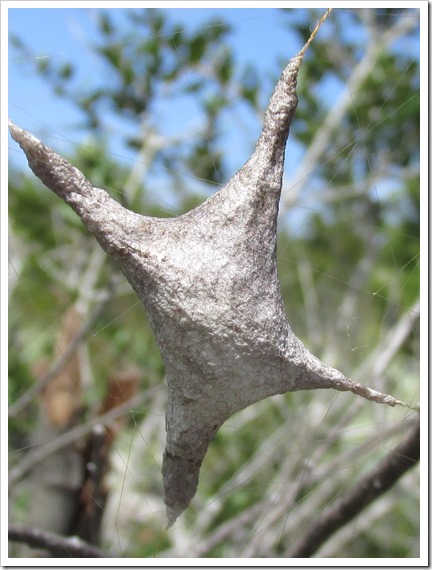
58,546
333,119
367,490
33,458
28,396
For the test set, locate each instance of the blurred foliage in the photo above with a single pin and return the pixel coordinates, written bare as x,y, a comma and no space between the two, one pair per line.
152,63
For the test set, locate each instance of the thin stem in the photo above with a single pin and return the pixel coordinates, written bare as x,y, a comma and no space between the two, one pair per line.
314,33
367,490
58,546
36,389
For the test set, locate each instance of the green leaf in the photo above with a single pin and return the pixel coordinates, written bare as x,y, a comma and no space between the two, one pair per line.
250,86
66,71
224,68
197,48
105,24
113,54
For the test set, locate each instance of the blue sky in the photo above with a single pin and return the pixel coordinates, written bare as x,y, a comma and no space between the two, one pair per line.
259,37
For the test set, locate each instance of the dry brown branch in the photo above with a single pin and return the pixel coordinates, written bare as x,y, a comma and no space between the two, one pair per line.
33,458
58,546
57,367
367,490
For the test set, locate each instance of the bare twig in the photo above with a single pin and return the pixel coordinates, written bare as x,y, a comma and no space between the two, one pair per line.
58,546
28,396
45,450
315,31
367,490
320,143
